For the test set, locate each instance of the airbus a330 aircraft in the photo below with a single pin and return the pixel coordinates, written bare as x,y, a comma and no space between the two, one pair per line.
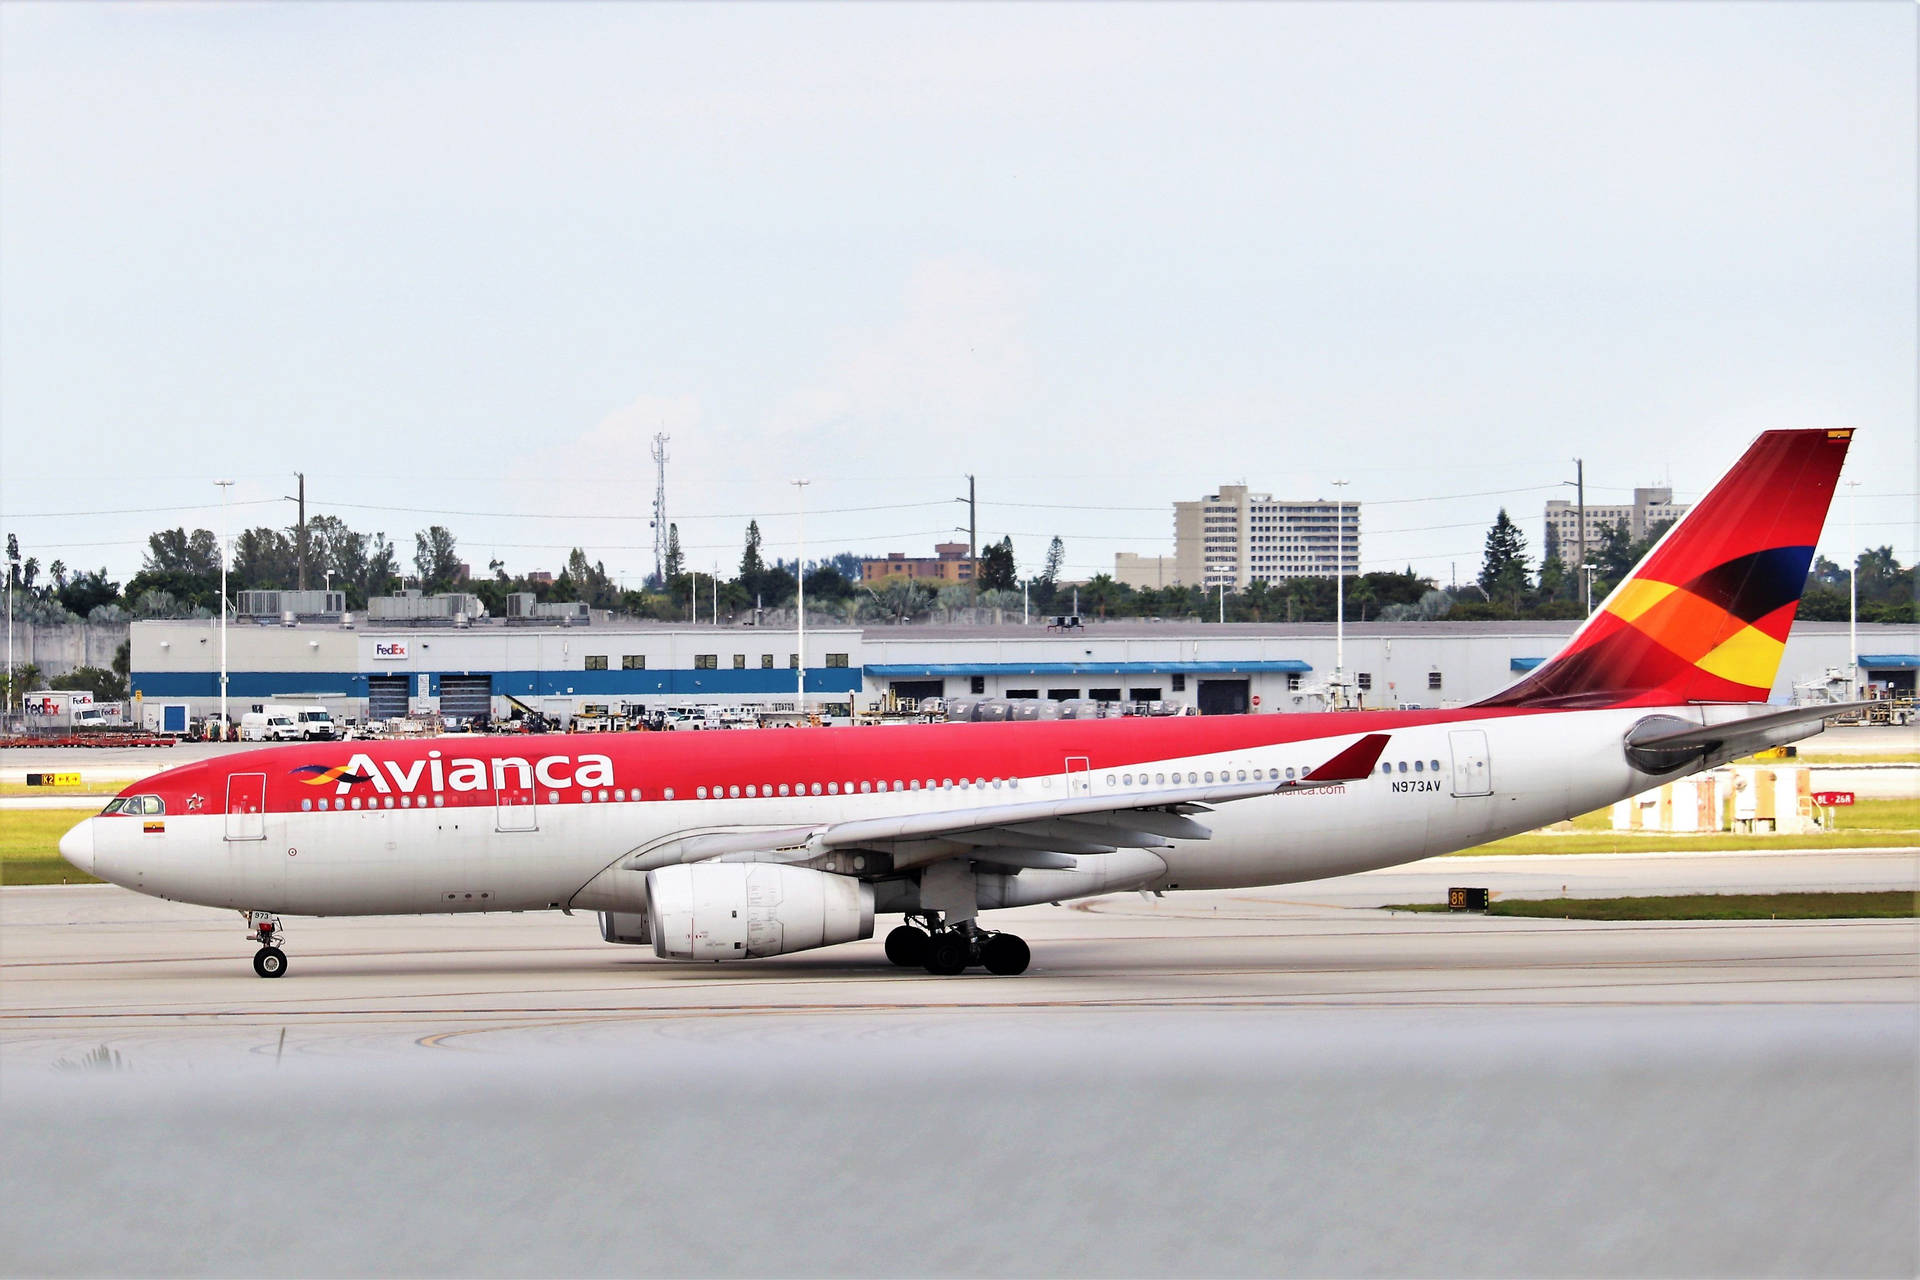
731,846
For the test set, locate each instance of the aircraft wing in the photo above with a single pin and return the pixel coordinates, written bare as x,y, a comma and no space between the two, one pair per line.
1042,833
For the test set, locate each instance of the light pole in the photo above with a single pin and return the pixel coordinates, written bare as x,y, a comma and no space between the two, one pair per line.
225,486
1340,595
1853,602
800,599
13,567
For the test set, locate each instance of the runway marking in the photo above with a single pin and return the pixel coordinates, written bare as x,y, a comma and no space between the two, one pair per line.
222,1017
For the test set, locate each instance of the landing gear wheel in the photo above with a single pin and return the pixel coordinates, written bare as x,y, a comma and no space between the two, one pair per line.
948,952
1005,954
907,947
270,962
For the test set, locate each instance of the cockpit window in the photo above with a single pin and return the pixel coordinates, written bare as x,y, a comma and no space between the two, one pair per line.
136,804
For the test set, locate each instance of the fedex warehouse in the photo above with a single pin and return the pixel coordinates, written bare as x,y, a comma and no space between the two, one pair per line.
487,667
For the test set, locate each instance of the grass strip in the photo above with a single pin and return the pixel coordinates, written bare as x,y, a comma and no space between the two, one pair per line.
1893,904
30,846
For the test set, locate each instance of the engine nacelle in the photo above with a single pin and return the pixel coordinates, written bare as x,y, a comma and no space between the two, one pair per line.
742,910
629,927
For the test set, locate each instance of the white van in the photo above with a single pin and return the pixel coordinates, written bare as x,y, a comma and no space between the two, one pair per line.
272,725
313,720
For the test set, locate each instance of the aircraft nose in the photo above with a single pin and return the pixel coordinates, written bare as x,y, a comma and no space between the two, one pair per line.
77,846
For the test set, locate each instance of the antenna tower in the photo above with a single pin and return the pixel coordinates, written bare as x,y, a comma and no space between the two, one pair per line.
660,507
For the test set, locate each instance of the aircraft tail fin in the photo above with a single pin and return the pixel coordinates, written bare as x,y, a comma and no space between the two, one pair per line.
1704,617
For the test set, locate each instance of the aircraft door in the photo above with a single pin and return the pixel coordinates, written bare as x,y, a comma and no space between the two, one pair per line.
515,805
1079,776
1472,771
246,806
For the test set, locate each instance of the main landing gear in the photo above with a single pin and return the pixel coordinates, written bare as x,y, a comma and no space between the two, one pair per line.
955,949
264,928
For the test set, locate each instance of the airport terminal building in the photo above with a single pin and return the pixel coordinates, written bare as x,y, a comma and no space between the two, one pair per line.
369,671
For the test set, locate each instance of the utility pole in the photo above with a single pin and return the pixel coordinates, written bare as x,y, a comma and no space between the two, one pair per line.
1853,602
660,508
1580,489
1340,594
300,541
800,600
973,541
225,485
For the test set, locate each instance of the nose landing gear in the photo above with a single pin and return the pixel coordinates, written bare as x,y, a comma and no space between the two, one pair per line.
956,948
264,928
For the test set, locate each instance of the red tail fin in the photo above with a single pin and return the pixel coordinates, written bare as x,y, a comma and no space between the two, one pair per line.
1704,617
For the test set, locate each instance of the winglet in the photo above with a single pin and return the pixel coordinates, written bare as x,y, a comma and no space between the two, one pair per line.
1354,763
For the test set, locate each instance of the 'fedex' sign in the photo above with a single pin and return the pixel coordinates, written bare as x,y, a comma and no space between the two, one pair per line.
390,650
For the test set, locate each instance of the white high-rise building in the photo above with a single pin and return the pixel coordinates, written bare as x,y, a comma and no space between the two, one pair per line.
1239,538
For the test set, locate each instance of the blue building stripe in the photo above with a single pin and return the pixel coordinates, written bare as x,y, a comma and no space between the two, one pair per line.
928,670
725,682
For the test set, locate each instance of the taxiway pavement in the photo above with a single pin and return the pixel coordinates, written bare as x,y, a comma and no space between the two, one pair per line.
1236,1083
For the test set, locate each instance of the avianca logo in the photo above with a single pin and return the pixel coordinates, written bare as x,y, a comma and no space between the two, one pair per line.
462,773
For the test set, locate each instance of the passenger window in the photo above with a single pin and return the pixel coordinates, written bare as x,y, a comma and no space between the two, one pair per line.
1403,766
816,788
1289,773
733,793
1435,766
1419,765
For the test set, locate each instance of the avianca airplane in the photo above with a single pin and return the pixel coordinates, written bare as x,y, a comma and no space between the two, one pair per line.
731,846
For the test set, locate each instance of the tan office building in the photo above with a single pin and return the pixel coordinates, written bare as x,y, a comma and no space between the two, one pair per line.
949,564
1648,508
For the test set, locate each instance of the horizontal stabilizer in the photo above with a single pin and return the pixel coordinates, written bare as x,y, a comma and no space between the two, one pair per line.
1664,743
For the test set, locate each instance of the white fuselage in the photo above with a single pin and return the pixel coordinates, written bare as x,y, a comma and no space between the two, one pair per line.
1446,785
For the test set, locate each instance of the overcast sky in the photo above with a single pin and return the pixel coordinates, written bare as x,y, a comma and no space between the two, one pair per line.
459,263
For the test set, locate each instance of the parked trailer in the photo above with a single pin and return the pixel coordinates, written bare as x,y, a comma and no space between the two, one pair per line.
171,718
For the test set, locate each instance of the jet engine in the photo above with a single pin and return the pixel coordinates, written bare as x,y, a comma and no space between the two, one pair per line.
742,910
629,927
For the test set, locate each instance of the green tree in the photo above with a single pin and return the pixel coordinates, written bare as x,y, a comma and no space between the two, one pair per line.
1503,571
436,559
104,685
263,559
588,581
1056,557
85,592
751,565
676,559
997,567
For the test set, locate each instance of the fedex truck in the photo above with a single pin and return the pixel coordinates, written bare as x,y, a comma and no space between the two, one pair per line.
71,709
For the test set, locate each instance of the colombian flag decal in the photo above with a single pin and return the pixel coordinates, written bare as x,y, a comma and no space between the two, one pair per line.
318,775
153,828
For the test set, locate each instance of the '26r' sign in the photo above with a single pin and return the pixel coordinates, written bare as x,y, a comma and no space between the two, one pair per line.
1832,799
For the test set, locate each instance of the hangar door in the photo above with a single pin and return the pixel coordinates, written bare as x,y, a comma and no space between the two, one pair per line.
466,695
1224,697
386,697
917,689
